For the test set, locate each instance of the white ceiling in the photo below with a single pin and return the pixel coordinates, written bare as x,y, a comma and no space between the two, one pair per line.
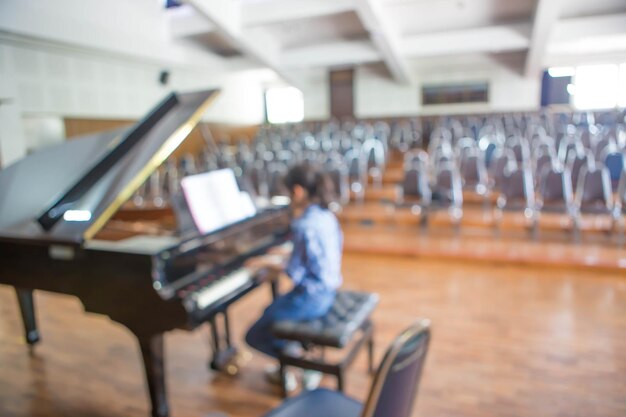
295,35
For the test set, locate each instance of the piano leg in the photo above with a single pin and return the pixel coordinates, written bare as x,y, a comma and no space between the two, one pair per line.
152,353
27,308
223,351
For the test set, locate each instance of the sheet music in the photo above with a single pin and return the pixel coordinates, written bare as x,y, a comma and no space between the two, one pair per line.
215,201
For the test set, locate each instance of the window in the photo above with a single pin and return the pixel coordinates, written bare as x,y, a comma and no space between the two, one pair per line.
284,105
455,93
596,87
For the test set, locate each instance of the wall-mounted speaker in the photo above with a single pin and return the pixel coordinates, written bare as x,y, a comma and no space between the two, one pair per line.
164,77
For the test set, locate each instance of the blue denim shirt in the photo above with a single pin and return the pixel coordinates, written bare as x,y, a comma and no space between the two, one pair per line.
315,263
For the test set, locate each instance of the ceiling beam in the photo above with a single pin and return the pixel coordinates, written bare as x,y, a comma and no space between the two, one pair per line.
569,29
492,39
277,11
385,38
331,54
546,16
186,21
257,43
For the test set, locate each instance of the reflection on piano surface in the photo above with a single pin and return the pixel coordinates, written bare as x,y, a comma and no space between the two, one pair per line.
60,231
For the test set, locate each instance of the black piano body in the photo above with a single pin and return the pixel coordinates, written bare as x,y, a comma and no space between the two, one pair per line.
56,202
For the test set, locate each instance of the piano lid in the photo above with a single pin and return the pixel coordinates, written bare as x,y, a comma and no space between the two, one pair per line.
66,193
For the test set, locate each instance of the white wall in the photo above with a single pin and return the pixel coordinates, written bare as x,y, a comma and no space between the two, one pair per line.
12,145
44,84
377,95
136,28
316,93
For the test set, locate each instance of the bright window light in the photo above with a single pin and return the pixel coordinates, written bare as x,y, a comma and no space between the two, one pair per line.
284,105
596,87
622,86
556,72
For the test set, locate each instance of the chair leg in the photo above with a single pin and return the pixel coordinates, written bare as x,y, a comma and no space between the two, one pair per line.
370,353
576,235
497,218
340,379
283,379
534,230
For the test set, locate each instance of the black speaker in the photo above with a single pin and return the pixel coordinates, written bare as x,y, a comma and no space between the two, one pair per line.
164,77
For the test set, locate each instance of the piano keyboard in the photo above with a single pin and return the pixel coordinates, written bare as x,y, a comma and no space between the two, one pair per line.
221,288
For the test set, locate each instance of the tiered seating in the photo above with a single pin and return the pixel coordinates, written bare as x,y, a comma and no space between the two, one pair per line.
535,166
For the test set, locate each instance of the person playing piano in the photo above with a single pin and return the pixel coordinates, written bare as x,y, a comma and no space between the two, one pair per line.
314,265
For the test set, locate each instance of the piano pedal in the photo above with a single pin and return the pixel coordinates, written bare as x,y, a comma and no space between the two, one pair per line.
232,369
227,361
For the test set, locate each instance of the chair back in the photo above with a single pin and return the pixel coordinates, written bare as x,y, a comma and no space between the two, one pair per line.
396,382
339,176
594,194
415,184
614,161
555,186
503,162
518,190
448,185
473,170
576,162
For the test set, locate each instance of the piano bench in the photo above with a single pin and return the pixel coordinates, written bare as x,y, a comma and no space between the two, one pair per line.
349,315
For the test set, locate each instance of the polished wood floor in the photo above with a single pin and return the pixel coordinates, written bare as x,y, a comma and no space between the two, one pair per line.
482,245
507,341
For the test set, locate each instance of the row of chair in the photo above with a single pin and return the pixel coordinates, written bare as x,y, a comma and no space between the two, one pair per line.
516,188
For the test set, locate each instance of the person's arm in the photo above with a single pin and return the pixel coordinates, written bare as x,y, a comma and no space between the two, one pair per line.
274,263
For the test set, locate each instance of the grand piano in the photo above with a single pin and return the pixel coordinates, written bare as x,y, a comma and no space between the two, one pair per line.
55,209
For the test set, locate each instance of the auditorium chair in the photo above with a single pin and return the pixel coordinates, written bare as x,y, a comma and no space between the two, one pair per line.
556,194
338,173
441,154
593,194
543,159
613,159
457,130
257,175
586,137
276,173
502,161
373,153
415,191
543,145
447,193
393,391
576,162
568,145
474,173
357,173
620,208
463,146
438,135
520,149
404,137
536,132
488,145
517,194
602,144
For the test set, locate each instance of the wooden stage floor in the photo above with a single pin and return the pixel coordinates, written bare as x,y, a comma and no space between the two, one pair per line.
507,341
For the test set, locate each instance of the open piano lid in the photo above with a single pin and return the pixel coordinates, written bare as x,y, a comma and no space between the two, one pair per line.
66,193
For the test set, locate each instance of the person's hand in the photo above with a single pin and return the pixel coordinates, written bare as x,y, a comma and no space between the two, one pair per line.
264,262
281,250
